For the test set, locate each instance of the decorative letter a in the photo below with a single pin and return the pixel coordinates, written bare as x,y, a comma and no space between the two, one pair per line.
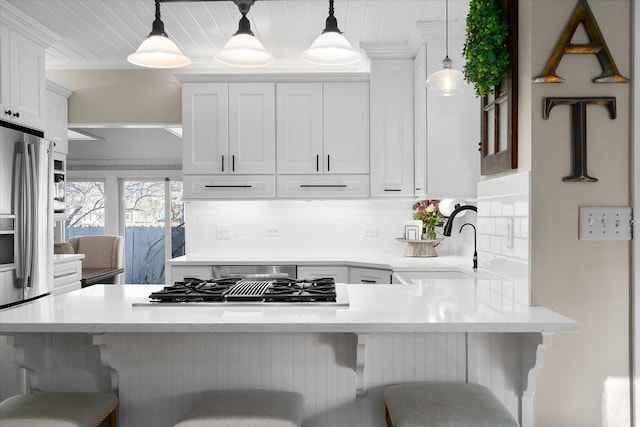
597,46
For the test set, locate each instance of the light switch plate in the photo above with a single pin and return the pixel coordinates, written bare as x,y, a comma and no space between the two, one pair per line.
605,223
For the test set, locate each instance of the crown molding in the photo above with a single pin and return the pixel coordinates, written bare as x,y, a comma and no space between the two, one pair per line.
19,21
60,90
398,50
426,31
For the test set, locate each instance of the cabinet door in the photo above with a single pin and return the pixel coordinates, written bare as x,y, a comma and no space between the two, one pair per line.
369,276
346,127
339,273
5,71
205,128
27,81
57,121
299,128
252,139
420,121
392,127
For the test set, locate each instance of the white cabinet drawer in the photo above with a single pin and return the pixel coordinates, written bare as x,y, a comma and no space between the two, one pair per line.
369,276
320,186
199,187
178,273
67,276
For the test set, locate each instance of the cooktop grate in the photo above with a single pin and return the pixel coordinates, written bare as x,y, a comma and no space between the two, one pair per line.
248,290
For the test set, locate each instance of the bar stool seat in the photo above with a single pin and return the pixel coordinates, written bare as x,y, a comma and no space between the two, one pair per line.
59,410
444,404
246,408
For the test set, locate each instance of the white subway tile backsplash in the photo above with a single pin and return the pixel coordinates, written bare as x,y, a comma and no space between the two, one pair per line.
496,208
503,236
318,226
522,208
521,293
521,249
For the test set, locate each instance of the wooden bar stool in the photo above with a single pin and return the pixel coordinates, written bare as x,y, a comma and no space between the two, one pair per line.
444,404
59,410
246,408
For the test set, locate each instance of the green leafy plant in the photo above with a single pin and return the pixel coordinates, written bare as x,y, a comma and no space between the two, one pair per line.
485,47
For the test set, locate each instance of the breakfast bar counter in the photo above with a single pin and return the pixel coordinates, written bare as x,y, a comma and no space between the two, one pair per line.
158,358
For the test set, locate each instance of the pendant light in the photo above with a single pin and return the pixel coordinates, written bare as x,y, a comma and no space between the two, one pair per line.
157,50
331,47
448,81
243,49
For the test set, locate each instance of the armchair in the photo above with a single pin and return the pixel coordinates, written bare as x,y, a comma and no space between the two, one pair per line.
101,252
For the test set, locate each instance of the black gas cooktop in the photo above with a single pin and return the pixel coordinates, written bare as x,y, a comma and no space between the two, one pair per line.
237,290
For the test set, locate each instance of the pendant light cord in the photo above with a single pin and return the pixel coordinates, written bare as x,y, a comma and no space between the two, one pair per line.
446,26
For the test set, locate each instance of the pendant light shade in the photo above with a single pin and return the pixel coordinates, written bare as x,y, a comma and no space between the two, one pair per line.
447,81
157,50
331,47
244,49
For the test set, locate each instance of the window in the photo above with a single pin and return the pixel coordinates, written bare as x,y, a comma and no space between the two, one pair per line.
147,205
499,133
85,208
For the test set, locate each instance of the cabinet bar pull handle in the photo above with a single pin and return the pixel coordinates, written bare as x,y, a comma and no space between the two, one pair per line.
392,189
317,162
368,281
328,162
227,186
233,163
223,163
323,185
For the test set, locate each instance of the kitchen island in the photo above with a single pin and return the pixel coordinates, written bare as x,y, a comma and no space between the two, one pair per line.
340,358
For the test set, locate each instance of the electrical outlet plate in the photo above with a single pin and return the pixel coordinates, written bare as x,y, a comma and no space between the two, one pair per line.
371,231
271,231
605,223
223,232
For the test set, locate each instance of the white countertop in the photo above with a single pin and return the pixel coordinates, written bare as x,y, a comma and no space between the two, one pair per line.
61,258
381,261
448,305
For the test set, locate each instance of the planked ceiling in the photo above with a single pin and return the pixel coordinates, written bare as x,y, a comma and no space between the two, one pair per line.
99,34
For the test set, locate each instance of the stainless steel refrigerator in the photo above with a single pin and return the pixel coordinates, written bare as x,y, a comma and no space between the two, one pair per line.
26,217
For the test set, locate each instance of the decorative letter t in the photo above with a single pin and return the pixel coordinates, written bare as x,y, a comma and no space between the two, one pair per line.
579,130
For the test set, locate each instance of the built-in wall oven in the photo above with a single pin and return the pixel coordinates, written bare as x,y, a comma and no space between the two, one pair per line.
59,182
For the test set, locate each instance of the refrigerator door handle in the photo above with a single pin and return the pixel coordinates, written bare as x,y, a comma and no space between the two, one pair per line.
32,180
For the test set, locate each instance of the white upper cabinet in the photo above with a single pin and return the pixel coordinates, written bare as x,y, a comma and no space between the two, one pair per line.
299,128
420,121
278,135
346,127
57,117
252,137
228,128
22,77
323,127
205,128
392,155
